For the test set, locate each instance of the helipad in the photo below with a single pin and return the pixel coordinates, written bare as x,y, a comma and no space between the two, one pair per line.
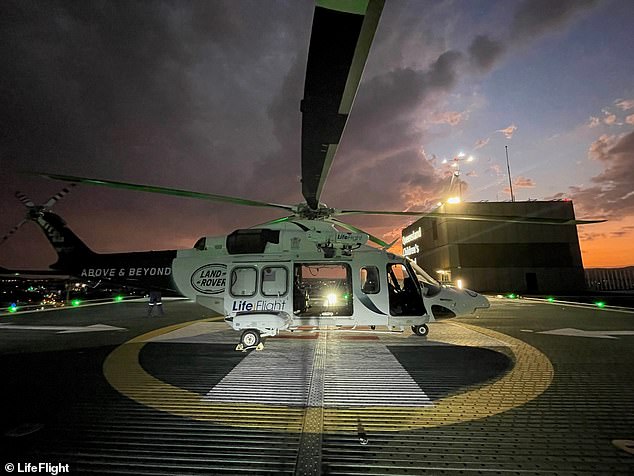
501,392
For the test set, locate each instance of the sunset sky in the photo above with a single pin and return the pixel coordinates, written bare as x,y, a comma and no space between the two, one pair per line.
205,96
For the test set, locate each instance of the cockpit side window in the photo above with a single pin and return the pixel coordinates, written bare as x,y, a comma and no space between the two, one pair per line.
403,292
370,280
430,287
201,244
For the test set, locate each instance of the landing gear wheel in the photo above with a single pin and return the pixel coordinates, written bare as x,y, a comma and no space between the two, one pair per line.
250,338
372,327
420,330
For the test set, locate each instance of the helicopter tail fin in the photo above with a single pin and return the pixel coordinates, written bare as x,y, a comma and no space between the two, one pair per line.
69,247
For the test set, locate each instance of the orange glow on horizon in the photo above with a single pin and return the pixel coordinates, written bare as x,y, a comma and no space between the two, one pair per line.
607,245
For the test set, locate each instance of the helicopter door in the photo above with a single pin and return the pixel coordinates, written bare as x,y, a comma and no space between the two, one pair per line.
322,290
404,295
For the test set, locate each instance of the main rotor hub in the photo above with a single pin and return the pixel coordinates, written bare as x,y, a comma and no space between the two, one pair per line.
33,213
322,211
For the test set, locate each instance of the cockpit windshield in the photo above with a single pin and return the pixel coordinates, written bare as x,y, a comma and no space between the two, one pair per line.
201,244
430,286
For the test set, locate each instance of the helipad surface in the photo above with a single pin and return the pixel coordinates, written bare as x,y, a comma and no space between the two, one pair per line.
522,388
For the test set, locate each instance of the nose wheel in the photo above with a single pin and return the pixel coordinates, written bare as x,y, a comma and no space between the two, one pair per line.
420,330
250,339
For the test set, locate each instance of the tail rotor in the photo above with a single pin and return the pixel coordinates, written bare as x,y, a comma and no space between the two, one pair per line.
34,211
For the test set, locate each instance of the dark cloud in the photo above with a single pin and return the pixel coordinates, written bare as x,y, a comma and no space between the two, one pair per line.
484,52
282,165
611,194
163,92
531,20
536,17
109,86
381,121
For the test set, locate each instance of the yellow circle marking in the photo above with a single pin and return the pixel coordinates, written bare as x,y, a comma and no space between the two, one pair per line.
530,376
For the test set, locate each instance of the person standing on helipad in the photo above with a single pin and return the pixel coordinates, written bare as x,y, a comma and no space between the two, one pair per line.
155,301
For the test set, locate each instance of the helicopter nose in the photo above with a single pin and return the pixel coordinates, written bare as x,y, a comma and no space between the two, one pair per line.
482,302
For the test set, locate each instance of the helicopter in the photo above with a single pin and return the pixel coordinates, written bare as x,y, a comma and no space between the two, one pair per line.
307,268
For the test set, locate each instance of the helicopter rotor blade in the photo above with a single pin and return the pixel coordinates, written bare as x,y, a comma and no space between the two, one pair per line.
13,231
26,201
273,222
339,45
389,245
168,191
474,217
58,196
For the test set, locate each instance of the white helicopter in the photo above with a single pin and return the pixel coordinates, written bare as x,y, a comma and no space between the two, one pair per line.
302,269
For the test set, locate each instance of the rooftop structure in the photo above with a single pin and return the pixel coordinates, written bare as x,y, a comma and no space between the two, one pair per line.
498,256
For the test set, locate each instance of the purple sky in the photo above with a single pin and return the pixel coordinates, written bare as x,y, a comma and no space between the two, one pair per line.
205,96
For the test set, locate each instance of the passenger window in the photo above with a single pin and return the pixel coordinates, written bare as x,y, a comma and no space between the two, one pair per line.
274,281
244,281
370,280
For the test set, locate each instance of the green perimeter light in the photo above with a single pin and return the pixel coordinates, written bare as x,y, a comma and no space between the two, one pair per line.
75,302
511,296
550,299
600,304
13,307
118,298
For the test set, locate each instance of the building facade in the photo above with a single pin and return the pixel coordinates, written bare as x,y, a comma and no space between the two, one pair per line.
490,256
